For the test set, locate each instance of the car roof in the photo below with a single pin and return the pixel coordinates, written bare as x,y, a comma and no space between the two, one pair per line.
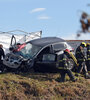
46,41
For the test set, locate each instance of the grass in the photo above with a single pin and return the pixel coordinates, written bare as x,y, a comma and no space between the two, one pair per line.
42,86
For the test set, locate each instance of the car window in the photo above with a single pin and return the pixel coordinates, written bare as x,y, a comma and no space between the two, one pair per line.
49,57
29,50
59,46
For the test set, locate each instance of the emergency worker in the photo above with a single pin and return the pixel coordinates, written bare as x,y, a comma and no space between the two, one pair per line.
2,55
64,67
88,56
81,58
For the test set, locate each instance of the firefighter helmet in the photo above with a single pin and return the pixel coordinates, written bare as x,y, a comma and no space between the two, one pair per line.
83,44
67,50
88,44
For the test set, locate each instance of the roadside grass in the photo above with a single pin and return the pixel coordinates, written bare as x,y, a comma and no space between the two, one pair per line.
42,86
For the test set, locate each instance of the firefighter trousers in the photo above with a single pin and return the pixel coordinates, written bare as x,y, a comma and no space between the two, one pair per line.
82,68
63,73
88,65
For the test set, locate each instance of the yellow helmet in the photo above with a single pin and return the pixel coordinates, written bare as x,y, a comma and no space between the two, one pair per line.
84,44
88,44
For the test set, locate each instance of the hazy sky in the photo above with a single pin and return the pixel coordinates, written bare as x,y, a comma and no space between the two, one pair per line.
53,17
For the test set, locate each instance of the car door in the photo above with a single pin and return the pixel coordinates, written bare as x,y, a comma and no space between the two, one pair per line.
46,61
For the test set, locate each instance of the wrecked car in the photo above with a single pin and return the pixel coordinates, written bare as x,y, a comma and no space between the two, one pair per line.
41,54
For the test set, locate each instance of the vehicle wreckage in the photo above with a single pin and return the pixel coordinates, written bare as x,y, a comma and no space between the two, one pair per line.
41,54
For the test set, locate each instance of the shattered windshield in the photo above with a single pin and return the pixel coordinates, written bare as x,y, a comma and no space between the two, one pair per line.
29,50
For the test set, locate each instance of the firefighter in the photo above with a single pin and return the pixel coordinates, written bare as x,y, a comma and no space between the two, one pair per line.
81,58
64,67
88,56
2,55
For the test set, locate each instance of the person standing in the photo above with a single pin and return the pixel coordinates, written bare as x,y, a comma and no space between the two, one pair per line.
2,55
64,67
81,58
88,56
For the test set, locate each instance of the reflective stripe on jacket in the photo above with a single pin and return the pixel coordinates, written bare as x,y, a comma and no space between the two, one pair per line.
88,52
88,59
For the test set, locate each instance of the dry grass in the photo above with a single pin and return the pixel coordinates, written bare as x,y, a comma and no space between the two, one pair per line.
39,86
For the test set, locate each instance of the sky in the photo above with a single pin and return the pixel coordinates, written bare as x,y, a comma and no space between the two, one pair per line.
54,17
